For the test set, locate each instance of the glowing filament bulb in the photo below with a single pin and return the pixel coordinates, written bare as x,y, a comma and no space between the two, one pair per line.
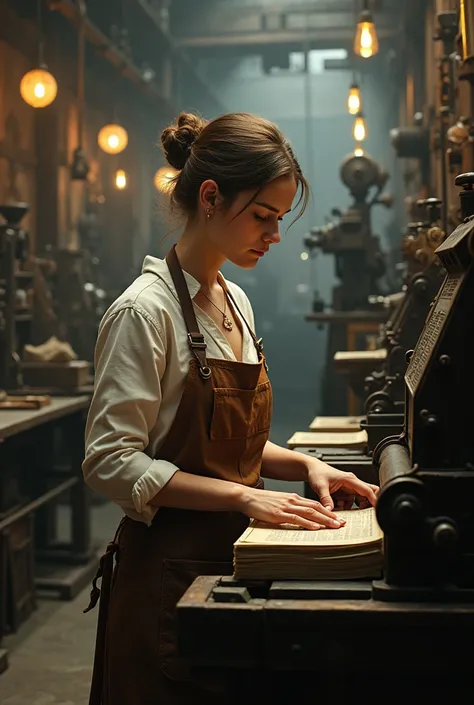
121,179
353,100
366,43
113,141
112,138
38,88
360,130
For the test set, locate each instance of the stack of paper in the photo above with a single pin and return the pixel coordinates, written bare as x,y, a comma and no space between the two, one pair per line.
323,439
336,423
267,552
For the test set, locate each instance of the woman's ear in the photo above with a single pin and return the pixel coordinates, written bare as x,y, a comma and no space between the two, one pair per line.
209,194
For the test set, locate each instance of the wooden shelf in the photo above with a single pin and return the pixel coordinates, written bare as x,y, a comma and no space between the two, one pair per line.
23,317
109,51
24,275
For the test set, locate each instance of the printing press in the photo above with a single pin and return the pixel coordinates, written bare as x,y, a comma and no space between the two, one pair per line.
427,474
412,629
383,390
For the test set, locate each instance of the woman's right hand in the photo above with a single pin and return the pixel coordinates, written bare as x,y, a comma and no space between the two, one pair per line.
287,508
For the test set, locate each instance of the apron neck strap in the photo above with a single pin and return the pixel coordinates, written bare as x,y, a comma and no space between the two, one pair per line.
258,342
196,341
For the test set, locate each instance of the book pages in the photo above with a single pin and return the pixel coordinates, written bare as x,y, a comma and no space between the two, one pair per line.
286,552
361,527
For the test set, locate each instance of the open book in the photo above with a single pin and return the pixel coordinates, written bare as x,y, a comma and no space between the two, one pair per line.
269,552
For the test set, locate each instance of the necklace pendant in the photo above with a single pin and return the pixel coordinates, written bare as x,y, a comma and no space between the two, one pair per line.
227,323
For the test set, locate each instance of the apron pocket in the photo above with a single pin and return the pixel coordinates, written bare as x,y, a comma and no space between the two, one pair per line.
177,576
238,414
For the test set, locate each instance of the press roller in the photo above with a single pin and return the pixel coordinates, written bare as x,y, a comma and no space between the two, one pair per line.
426,502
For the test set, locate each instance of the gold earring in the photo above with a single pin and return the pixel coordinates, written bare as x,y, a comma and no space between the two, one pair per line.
208,213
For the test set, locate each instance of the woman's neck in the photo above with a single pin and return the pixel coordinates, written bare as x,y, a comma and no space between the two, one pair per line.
198,257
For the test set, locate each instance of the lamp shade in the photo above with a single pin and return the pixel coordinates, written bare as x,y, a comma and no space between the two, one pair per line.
38,88
112,139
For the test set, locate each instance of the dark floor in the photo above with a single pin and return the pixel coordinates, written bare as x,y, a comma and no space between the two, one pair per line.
50,657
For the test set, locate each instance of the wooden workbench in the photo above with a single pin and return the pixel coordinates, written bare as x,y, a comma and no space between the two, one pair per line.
353,650
13,422
41,454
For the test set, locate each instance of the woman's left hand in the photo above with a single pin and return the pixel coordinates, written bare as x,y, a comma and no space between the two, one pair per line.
345,486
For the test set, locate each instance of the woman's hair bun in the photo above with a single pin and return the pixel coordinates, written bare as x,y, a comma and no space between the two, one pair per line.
178,139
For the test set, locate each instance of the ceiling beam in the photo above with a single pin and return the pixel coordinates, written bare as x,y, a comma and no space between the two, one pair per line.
336,37
318,6
314,6
206,27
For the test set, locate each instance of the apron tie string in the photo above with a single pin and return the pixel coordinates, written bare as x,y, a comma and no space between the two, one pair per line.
105,571
105,567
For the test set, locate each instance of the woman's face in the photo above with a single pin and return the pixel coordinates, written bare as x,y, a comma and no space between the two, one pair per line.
244,234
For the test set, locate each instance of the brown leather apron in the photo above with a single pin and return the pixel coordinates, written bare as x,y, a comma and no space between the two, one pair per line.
220,430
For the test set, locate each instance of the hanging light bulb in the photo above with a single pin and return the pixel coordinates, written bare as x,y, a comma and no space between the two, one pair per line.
360,130
354,102
358,151
112,138
121,179
163,179
38,88
366,43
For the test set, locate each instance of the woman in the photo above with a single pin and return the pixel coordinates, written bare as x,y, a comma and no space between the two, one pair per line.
178,428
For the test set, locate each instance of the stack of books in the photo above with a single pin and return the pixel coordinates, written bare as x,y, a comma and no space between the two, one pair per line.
286,552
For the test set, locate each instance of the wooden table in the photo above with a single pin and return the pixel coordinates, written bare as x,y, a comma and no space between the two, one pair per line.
357,651
13,422
41,454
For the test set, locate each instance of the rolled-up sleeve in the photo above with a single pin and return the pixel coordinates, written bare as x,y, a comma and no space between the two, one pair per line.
130,360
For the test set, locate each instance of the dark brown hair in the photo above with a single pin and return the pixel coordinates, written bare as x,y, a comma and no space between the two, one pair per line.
238,151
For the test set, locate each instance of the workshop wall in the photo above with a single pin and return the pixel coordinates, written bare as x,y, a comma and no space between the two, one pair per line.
37,146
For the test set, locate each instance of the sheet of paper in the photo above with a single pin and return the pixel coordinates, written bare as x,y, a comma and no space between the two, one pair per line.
375,355
361,527
325,439
336,423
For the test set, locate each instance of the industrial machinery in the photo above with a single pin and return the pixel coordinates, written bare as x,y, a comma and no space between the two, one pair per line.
385,390
359,267
426,474
359,261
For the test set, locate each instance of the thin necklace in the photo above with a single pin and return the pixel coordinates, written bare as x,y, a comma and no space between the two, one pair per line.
226,322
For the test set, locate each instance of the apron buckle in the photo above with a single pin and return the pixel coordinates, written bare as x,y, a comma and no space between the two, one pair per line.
204,371
196,341
259,347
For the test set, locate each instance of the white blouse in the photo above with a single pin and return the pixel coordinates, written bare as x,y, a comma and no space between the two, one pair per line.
141,361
